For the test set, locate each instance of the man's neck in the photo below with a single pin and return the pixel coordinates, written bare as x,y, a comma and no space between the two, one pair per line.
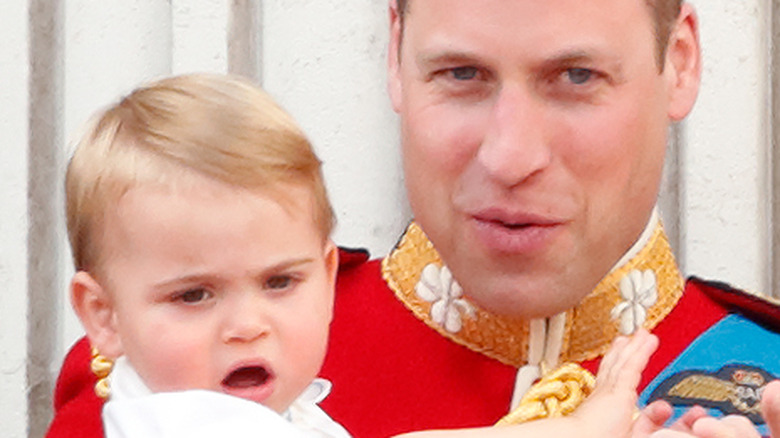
641,242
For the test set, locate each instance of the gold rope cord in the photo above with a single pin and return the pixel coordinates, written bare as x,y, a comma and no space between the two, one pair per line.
557,394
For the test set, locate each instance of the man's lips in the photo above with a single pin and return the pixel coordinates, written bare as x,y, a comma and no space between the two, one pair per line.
514,233
512,219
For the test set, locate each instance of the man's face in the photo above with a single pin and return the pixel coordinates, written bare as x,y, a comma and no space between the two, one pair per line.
533,140
218,288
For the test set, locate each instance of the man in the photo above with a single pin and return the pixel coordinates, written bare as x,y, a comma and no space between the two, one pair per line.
533,139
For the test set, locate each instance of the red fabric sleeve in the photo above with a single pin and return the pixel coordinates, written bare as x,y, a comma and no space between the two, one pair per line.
76,407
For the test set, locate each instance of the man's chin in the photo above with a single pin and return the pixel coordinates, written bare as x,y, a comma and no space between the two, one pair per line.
534,301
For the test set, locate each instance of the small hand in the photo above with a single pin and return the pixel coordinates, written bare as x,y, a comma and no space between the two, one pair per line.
731,426
615,392
699,425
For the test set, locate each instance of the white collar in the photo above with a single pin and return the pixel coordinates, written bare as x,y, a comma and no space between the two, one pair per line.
133,411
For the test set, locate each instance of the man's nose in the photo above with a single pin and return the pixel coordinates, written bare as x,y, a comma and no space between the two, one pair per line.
515,147
246,318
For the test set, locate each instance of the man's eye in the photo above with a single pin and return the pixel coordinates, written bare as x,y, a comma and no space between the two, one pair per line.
579,76
279,282
194,296
464,73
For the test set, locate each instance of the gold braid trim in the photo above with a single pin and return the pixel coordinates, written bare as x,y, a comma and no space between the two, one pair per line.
401,270
101,367
589,327
557,394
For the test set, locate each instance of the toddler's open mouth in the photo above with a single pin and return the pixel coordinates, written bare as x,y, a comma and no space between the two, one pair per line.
253,382
246,377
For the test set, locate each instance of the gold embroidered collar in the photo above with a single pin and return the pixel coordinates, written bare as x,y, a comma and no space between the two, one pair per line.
589,326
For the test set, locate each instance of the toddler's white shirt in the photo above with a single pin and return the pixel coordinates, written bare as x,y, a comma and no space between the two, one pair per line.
133,411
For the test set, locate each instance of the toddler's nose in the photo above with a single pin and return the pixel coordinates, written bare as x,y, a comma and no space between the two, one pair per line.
245,319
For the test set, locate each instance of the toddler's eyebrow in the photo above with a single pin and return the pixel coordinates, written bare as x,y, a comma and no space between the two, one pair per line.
212,277
287,264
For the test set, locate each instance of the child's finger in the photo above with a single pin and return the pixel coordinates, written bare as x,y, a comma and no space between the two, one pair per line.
635,360
730,426
621,355
609,359
666,433
651,418
770,407
629,361
686,421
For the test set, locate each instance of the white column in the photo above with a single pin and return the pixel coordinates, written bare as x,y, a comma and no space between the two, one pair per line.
244,36
45,244
14,101
325,63
725,193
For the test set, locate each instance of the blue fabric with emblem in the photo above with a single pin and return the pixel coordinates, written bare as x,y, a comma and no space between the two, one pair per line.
723,370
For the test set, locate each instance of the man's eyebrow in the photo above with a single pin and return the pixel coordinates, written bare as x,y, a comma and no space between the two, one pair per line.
571,56
446,57
583,58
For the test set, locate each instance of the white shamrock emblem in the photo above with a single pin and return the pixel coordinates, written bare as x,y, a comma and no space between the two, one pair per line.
437,286
639,292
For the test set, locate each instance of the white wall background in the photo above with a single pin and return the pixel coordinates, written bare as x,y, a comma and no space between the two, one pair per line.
324,61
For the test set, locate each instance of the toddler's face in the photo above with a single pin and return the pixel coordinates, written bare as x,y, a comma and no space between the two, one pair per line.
219,288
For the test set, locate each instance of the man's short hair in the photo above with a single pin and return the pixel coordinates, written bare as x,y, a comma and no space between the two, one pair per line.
664,13
220,127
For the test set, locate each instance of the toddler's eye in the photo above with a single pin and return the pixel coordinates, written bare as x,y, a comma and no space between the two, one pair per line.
194,296
279,282
579,76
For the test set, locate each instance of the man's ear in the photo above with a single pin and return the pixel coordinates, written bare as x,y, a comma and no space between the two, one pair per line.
95,309
683,63
394,57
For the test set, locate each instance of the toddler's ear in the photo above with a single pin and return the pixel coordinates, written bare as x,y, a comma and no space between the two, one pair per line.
95,309
332,268
332,259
